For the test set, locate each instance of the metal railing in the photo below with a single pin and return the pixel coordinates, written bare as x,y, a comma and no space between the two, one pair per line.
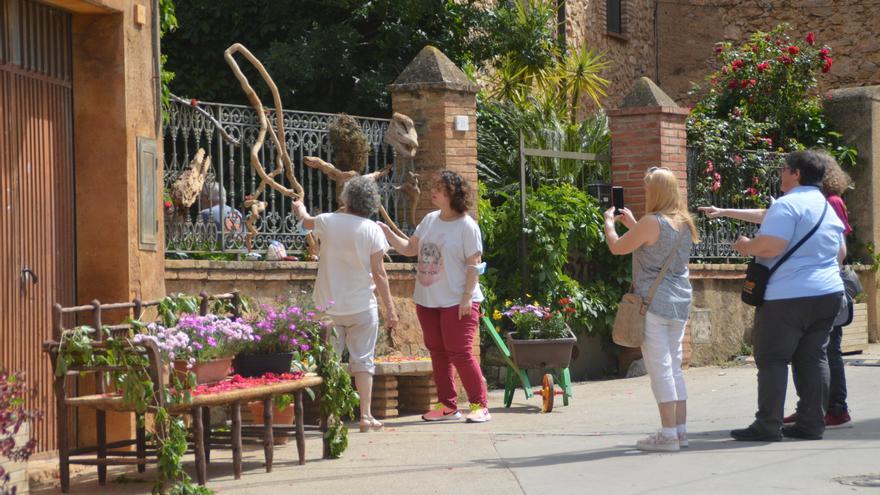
749,179
217,224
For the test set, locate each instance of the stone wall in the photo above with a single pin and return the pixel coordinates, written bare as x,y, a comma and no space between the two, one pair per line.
688,29
631,53
267,281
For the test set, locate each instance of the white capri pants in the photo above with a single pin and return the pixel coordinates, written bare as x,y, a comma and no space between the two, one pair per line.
661,351
358,332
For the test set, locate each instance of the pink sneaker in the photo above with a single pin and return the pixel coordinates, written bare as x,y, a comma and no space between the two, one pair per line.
441,413
478,414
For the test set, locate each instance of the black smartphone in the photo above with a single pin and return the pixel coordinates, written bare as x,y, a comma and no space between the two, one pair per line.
617,199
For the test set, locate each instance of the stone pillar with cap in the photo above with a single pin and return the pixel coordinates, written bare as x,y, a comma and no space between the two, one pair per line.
441,100
647,130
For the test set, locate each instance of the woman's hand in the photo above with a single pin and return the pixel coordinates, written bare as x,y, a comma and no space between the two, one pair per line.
385,229
609,215
299,209
464,307
627,218
392,320
742,245
711,211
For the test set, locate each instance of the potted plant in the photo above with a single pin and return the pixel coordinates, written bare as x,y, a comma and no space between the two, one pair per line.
203,345
281,336
542,338
282,414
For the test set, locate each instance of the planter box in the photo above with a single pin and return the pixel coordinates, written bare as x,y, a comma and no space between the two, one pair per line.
541,353
855,335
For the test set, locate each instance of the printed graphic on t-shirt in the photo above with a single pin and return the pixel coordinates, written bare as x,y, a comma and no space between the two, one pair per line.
430,263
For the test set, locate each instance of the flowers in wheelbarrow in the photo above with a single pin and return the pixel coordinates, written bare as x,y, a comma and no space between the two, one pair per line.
535,321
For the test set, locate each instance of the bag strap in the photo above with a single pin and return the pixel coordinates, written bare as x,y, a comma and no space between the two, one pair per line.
801,242
647,301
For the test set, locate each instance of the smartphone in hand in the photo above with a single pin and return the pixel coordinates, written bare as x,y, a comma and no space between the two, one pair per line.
617,199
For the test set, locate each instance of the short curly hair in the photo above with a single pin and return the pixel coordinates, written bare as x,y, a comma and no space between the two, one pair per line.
360,195
457,190
836,181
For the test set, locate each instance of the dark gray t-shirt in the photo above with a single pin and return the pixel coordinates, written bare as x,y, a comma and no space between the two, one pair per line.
673,297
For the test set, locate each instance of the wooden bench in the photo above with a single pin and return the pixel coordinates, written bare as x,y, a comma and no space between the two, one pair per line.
203,438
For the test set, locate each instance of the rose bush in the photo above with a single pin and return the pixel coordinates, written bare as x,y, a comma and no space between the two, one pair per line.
762,100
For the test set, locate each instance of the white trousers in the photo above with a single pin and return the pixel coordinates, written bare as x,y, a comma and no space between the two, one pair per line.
661,351
358,333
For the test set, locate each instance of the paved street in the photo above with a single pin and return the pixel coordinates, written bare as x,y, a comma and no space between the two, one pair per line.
583,448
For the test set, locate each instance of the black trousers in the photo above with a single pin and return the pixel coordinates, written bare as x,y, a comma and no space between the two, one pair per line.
793,331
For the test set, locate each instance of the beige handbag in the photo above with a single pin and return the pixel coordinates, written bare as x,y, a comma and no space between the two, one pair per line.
629,324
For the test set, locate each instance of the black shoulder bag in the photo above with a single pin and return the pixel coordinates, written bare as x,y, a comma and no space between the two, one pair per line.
757,275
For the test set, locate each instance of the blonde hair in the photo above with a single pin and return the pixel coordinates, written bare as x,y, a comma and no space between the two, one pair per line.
663,196
835,181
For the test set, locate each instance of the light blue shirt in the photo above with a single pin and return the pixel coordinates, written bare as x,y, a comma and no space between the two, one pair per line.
812,270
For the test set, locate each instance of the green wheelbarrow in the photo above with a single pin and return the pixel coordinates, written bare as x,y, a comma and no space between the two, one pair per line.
551,356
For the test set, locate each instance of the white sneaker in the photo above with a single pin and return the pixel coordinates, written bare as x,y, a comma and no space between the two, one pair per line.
683,440
657,442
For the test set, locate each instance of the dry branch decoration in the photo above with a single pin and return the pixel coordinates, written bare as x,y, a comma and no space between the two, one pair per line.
283,163
187,187
401,135
411,191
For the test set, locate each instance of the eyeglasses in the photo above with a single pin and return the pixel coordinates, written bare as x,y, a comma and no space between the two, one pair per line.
654,169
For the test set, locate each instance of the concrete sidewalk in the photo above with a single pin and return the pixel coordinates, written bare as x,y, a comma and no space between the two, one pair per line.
585,447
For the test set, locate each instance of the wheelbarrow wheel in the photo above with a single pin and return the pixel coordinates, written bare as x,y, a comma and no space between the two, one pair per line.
548,392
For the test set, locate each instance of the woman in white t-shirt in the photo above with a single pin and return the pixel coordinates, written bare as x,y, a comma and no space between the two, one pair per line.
350,268
448,295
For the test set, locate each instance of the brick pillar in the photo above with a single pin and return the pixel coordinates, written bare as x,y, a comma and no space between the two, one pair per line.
648,130
433,92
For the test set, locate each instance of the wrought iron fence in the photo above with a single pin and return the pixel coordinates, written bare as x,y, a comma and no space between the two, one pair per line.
754,180
216,222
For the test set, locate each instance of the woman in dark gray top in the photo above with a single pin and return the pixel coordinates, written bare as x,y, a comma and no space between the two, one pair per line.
667,229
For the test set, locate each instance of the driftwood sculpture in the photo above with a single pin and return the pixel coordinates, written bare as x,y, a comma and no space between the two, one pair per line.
283,163
410,190
188,186
401,135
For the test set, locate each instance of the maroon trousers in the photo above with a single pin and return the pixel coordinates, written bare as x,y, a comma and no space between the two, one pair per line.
450,341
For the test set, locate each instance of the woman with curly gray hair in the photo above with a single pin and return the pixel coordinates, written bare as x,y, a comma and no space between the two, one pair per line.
350,268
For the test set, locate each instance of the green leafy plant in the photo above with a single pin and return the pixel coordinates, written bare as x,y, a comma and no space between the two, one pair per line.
566,256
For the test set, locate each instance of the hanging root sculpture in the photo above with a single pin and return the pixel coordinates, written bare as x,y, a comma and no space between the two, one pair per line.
411,191
283,163
187,187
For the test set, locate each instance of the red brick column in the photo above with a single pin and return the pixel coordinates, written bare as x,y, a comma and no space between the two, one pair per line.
433,92
648,130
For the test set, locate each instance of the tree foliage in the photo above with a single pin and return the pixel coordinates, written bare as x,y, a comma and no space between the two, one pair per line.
327,55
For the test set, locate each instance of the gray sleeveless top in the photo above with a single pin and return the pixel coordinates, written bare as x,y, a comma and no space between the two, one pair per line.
673,297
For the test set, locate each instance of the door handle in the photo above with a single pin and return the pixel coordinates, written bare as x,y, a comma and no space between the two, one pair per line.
26,275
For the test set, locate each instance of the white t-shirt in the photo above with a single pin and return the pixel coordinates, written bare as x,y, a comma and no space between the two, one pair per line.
344,277
444,247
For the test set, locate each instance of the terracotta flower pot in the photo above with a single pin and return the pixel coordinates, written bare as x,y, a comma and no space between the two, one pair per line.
279,418
211,371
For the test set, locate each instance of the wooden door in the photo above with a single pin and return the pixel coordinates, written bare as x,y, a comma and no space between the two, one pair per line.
36,192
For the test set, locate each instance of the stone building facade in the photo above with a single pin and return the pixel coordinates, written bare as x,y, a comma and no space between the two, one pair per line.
671,41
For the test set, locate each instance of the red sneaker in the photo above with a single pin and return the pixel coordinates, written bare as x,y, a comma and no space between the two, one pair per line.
790,419
834,421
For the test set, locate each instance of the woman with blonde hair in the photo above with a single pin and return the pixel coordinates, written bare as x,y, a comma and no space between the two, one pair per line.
667,231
